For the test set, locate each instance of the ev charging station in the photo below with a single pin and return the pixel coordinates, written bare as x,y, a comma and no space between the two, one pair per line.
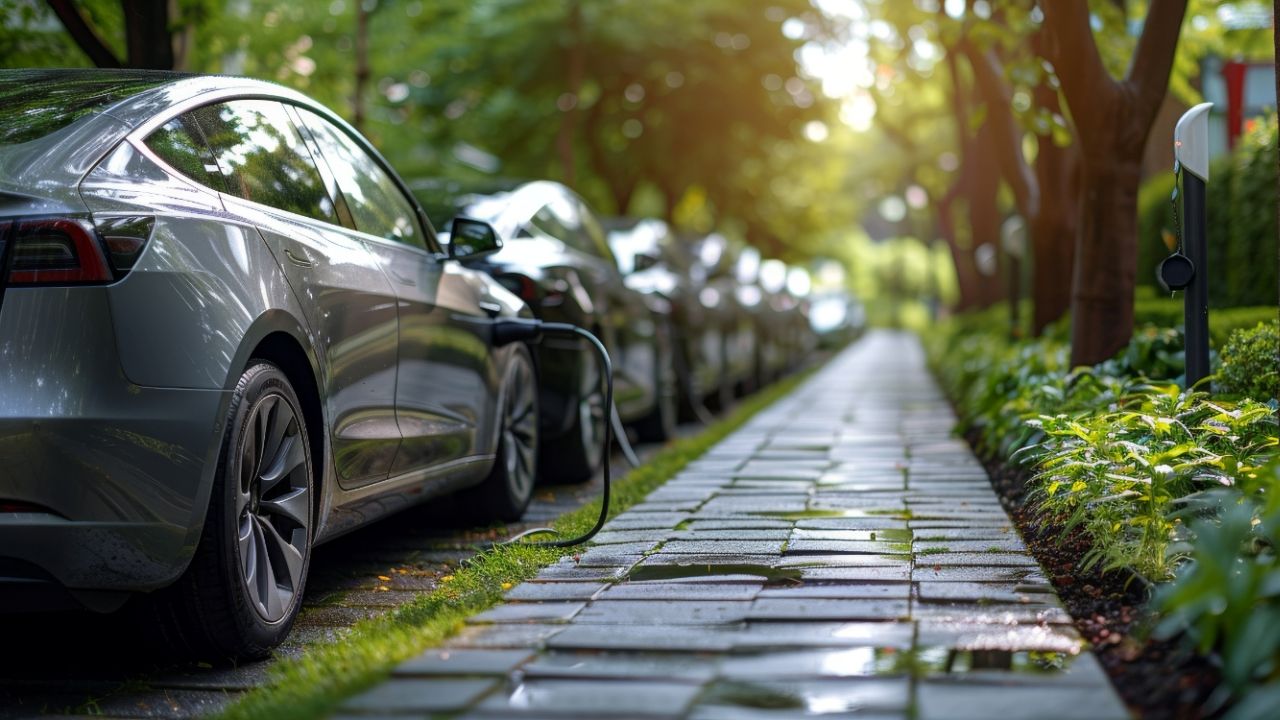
1187,268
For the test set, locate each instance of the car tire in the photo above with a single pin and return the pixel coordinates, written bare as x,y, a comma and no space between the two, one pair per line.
575,456
506,492
659,425
240,595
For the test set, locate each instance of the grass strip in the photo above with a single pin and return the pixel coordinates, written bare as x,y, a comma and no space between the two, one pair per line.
316,682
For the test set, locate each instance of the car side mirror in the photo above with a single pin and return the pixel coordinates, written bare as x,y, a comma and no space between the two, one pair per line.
470,239
644,261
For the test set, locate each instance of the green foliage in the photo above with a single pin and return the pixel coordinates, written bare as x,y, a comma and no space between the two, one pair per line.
1251,362
1226,598
1168,484
1252,251
1149,308
1121,474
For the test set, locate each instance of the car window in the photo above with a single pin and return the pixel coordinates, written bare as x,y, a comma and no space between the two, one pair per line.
180,143
263,158
593,235
548,223
377,205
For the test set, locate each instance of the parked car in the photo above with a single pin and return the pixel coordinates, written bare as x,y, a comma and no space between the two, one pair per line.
229,334
714,258
836,317
556,258
760,286
652,261
803,341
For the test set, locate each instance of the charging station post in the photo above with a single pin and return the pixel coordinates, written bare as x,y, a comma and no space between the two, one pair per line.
1191,150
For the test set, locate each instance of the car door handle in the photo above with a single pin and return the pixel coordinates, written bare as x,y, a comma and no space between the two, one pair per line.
299,258
492,309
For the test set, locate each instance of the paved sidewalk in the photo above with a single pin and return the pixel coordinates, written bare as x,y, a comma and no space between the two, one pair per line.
841,553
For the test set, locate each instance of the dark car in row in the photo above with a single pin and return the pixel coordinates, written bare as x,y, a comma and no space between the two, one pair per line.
556,258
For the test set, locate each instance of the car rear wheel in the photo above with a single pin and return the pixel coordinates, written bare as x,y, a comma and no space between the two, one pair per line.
242,591
505,493
576,456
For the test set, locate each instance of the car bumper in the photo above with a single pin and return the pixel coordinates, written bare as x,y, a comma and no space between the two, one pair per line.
105,482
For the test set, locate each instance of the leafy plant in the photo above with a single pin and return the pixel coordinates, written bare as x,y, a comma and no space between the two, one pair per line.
1122,474
1251,362
1227,596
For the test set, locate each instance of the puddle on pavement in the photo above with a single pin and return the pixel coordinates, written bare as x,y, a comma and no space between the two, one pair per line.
643,573
887,535
757,697
796,515
942,660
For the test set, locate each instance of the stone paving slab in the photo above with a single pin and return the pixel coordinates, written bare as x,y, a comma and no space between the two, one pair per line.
841,554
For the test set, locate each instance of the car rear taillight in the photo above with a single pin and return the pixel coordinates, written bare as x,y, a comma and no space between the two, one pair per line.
73,251
524,287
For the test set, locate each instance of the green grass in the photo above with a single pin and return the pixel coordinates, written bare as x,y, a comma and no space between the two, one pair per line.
315,683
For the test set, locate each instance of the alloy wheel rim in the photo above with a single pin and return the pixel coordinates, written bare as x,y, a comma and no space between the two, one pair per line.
273,507
520,431
591,414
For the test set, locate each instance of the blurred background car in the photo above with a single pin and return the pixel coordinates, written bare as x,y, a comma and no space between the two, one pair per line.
836,318
556,258
713,258
653,261
230,335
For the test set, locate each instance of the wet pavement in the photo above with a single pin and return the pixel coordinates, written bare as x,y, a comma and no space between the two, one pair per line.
840,554
79,663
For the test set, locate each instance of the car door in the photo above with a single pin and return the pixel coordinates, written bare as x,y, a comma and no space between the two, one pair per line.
447,381
350,307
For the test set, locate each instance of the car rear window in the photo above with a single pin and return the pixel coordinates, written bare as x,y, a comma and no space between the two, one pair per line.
35,103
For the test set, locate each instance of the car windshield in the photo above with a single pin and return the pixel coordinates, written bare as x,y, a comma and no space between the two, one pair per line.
35,103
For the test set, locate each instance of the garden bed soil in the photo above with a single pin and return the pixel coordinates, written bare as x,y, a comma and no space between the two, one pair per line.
1156,679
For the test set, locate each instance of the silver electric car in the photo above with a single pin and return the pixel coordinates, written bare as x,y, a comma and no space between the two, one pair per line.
228,333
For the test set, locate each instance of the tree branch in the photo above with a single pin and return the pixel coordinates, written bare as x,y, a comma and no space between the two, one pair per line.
1148,76
83,35
988,76
1076,61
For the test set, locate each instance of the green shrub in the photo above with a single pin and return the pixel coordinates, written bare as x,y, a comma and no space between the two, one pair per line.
1122,473
1251,362
1251,250
1226,598
1150,307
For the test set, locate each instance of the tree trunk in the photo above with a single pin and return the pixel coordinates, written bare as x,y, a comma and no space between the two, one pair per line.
1112,120
967,280
1106,257
1054,231
147,34
569,115
984,212
362,65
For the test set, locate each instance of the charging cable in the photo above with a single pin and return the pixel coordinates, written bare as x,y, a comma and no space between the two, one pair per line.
528,330
620,433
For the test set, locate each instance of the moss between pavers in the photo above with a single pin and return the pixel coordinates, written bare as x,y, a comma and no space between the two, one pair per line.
316,682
